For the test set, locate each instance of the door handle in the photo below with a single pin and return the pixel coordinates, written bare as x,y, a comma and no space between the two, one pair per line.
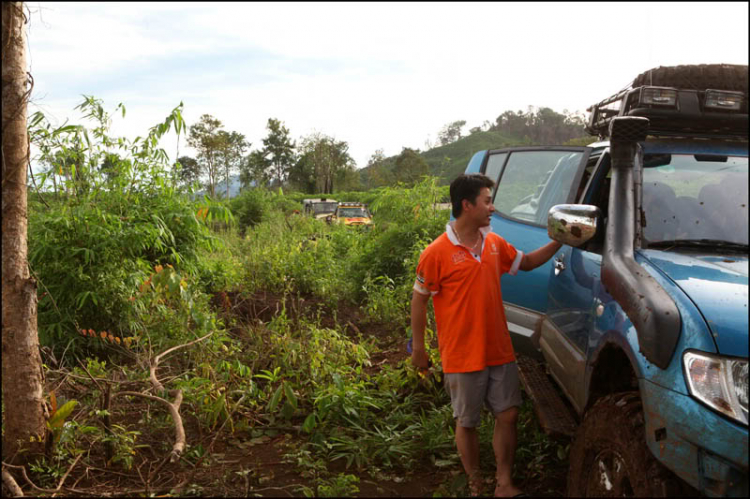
559,265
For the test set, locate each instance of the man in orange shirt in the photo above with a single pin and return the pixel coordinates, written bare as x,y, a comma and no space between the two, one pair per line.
461,271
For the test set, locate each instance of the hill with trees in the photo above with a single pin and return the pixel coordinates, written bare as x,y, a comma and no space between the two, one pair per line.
447,159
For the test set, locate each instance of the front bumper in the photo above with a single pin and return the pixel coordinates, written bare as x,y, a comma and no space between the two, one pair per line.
705,449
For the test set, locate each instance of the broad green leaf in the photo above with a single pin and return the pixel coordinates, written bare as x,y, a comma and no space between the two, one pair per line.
289,393
63,412
309,425
275,400
287,411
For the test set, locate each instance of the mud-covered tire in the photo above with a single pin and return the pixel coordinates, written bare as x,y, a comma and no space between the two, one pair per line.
697,77
609,456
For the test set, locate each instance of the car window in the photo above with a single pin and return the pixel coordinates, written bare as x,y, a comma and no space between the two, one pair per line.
695,197
324,207
534,181
352,212
494,165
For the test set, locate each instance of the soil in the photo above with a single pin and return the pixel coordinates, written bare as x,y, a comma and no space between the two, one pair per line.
238,465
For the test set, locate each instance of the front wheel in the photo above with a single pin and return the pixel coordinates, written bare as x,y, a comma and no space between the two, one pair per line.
609,456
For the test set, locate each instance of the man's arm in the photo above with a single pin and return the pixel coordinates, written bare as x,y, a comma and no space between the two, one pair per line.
540,255
418,324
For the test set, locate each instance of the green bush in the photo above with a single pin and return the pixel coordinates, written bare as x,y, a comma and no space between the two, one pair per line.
92,258
98,234
249,208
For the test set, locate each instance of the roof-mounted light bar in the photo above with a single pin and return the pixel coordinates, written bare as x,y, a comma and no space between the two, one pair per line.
675,111
724,100
658,96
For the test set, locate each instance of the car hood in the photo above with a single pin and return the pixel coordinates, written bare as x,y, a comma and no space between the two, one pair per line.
717,284
357,220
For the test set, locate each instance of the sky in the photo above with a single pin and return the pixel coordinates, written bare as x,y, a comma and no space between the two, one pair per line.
376,75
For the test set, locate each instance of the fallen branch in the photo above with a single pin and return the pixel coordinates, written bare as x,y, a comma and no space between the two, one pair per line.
155,363
25,477
62,480
10,482
174,409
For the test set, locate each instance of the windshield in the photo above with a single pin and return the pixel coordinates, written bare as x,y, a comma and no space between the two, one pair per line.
695,197
352,213
319,208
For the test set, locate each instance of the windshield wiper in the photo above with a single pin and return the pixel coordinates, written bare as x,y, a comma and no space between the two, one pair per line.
699,243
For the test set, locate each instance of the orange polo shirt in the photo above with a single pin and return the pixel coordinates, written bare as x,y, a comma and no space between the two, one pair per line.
471,326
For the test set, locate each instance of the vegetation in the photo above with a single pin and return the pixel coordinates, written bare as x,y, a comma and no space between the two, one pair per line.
537,126
321,164
284,327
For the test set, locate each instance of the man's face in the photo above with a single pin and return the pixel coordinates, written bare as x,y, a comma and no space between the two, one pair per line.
481,211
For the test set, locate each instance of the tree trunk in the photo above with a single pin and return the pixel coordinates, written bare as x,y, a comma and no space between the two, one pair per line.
22,366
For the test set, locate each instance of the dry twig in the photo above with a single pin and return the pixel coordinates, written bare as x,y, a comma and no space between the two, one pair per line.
62,480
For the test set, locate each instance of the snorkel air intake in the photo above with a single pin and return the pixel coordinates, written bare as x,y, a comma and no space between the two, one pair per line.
648,306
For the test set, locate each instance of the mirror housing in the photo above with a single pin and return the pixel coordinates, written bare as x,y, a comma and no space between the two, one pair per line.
573,224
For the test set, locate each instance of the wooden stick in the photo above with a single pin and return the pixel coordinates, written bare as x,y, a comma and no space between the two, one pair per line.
10,482
62,480
174,409
155,363
26,477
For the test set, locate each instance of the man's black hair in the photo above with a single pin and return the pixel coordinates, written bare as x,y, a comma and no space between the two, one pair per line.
467,187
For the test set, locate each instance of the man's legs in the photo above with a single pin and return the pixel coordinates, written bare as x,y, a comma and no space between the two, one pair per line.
504,397
504,444
467,391
467,442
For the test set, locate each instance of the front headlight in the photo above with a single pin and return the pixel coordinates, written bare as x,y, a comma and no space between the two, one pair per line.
719,382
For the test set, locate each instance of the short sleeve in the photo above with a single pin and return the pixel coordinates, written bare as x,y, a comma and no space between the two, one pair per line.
510,258
428,273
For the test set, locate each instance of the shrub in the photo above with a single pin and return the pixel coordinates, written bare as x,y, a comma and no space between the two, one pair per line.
249,208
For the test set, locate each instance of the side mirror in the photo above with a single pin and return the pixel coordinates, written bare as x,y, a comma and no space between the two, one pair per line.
573,224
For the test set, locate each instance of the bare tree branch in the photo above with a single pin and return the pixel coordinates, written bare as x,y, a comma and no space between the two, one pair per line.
174,409
155,363
25,477
10,482
62,480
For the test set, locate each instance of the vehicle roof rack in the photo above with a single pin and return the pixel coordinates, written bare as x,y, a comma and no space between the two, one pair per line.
675,112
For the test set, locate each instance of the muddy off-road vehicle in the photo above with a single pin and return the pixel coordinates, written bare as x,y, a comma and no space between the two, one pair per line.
353,214
320,208
640,321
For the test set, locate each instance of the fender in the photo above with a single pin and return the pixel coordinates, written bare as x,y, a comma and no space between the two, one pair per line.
617,340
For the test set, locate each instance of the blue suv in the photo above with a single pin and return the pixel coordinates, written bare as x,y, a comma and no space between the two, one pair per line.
641,319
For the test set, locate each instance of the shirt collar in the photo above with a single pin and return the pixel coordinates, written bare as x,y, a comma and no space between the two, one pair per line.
451,232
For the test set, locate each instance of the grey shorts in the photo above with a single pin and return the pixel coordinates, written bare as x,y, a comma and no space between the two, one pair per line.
496,386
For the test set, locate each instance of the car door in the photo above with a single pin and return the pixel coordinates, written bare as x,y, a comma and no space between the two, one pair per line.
576,297
529,181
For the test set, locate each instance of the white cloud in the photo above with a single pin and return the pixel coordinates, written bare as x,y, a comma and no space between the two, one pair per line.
378,75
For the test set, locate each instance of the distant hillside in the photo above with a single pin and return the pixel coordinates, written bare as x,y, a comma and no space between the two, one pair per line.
536,126
221,188
450,160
